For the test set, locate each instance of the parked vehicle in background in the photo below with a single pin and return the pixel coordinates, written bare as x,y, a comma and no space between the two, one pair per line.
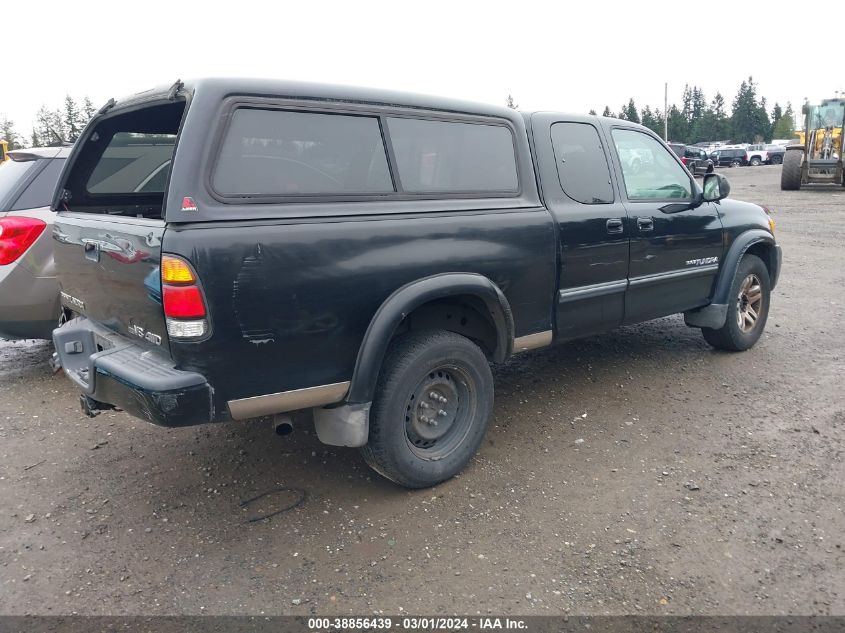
729,157
774,154
756,155
635,158
693,158
29,293
365,254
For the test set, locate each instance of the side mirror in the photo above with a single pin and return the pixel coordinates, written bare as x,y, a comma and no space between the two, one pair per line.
716,187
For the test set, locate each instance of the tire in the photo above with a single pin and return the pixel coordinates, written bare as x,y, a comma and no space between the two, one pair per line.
735,163
755,161
777,159
429,375
790,173
751,285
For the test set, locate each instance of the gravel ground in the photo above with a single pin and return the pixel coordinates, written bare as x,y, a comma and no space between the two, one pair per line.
638,472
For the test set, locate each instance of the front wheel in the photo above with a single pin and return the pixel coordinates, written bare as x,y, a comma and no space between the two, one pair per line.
434,400
748,308
777,159
754,162
735,163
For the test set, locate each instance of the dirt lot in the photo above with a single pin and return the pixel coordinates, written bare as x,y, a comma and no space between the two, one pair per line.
638,472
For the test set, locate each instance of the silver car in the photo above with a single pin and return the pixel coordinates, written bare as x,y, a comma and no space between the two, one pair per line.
29,293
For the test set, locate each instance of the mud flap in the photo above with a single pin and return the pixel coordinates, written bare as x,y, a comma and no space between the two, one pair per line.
346,425
712,316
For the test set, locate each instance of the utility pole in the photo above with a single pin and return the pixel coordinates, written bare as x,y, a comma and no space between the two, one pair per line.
666,111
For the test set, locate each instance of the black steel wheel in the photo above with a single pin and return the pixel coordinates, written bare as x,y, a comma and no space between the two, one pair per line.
433,402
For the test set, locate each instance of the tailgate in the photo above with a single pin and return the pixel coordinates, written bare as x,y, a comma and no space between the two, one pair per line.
108,230
108,270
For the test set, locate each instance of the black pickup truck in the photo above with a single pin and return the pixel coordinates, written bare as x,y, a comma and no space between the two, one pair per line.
367,254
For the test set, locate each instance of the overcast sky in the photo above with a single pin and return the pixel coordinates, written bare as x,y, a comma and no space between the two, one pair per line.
555,55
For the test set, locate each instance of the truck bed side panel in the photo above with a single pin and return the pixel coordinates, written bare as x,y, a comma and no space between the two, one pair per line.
290,302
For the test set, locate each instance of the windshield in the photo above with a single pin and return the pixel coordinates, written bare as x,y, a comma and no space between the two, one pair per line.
12,173
830,115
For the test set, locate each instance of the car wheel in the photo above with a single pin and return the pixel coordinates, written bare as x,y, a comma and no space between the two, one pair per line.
754,162
748,308
735,163
776,159
434,400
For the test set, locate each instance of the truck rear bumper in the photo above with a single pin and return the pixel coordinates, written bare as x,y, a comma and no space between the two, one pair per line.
109,368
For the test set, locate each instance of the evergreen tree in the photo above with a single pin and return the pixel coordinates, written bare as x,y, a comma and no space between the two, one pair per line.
8,133
50,126
762,123
607,111
784,126
653,120
73,119
34,140
511,104
686,105
88,109
749,120
721,123
631,113
698,103
593,112
777,112
678,125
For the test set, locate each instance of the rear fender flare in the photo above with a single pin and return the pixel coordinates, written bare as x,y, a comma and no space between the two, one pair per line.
411,296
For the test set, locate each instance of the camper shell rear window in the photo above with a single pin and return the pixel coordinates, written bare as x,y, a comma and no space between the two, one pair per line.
123,166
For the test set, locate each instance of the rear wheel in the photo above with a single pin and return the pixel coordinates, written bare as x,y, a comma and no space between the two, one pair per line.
755,161
790,173
777,159
433,403
748,308
735,163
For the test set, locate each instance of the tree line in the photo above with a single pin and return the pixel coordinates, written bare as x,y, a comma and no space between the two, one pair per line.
697,119
53,126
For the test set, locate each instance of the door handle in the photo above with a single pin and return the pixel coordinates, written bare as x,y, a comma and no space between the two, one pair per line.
645,224
92,251
614,225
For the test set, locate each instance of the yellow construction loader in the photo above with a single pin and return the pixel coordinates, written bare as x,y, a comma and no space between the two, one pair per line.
818,155
4,151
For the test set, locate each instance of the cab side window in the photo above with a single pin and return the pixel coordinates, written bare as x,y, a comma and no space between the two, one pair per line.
661,178
581,163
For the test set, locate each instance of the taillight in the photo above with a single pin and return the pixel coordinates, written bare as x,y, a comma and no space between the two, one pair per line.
184,306
183,302
17,234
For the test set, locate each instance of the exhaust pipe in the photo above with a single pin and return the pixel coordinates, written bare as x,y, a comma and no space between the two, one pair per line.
282,425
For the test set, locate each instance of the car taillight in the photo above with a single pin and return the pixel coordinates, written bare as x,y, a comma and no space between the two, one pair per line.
17,234
184,306
685,161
